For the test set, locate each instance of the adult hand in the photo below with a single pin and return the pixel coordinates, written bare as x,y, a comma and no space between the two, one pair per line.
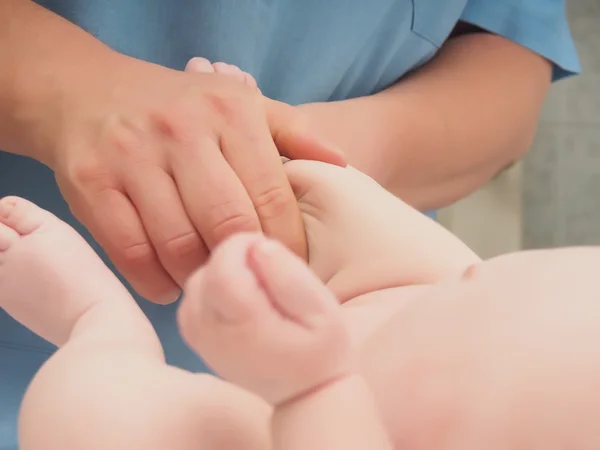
162,165
360,237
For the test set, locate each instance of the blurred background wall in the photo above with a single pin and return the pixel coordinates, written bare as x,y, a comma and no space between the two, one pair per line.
552,198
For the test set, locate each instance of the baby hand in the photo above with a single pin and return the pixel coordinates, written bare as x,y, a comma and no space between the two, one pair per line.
361,238
261,319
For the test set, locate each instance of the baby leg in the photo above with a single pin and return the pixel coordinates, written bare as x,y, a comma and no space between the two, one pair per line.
107,387
263,321
54,284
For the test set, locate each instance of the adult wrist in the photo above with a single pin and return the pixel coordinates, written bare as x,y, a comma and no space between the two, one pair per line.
39,71
44,101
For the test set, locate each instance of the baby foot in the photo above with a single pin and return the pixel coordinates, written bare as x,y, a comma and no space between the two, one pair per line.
262,320
203,65
49,276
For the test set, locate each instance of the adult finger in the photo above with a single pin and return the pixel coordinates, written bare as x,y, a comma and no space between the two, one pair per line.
173,235
213,195
199,65
250,81
294,139
251,152
114,222
229,70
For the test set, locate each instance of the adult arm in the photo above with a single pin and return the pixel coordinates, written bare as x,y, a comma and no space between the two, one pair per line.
444,130
42,55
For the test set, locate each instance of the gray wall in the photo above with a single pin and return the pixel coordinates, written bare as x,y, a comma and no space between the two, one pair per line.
561,175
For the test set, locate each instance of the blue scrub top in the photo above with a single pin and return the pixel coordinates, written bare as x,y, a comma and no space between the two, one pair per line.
298,51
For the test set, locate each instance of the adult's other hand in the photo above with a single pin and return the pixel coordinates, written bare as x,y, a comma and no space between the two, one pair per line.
162,165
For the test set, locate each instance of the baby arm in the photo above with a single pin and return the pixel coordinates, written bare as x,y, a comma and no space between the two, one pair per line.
261,319
340,415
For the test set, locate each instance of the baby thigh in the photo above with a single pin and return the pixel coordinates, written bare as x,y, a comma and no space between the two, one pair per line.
135,403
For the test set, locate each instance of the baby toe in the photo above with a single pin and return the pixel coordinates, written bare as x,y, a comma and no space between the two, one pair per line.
21,215
8,237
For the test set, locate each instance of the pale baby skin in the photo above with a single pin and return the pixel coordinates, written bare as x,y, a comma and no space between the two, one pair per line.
457,353
110,373
407,341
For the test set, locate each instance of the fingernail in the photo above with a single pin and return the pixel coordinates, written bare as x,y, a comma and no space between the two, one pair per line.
340,156
6,206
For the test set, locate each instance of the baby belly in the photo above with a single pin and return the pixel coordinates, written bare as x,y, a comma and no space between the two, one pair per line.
366,314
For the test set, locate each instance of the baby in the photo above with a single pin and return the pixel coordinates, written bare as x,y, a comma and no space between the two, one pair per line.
430,348
457,354
255,313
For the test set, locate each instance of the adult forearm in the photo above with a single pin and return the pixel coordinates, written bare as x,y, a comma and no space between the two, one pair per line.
41,56
449,127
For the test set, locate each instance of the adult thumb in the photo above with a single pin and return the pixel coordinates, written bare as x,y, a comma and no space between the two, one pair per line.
294,137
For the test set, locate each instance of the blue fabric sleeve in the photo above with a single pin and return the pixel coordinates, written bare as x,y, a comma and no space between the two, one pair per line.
540,25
